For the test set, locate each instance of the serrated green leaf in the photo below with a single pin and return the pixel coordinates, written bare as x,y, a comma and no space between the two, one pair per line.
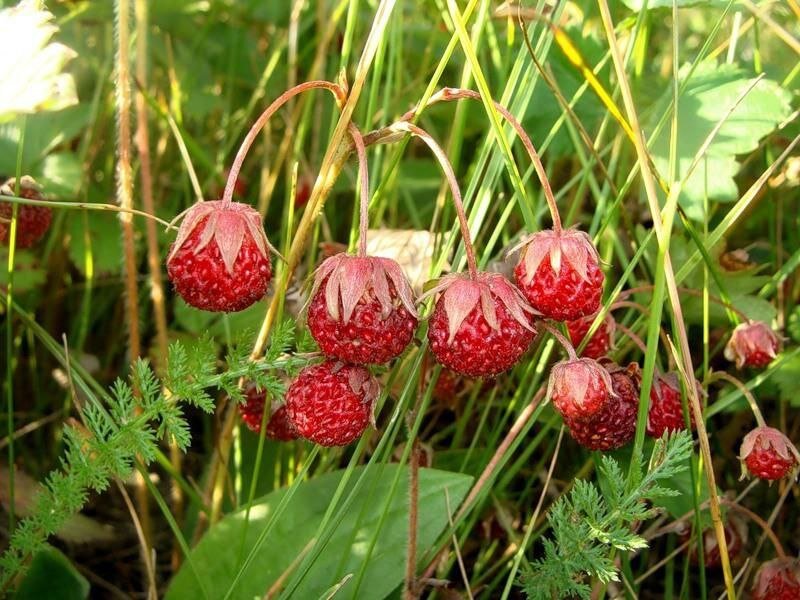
60,174
711,92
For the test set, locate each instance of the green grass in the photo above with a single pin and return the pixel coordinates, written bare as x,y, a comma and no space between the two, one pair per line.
662,218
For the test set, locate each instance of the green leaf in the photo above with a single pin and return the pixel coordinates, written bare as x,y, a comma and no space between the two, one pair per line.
786,377
102,232
28,275
637,5
60,174
711,92
30,66
51,575
218,551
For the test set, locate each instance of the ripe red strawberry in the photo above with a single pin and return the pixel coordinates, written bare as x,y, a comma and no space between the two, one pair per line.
220,259
778,579
252,412
480,327
666,410
752,344
331,403
615,424
32,221
768,454
560,275
600,342
579,388
362,309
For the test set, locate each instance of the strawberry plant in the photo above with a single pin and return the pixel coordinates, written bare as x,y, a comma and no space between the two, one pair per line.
381,336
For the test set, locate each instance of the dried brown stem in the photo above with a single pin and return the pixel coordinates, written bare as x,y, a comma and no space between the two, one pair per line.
125,200
153,255
489,471
410,584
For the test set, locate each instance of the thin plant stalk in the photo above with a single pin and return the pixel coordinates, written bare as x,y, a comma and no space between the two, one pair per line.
723,376
125,200
157,295
671,285
454,189
449,94
332,164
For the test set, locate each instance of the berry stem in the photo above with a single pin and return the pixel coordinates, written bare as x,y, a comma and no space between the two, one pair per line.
233,174
723,376
363,173
561,339
451,179
776,543
450,94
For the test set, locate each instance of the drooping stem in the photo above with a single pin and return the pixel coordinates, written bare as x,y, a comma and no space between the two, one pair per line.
455,190
561,339
363,174
233,174
765,527
723,376
449,94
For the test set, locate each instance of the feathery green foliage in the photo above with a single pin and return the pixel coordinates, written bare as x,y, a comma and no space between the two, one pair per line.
589,525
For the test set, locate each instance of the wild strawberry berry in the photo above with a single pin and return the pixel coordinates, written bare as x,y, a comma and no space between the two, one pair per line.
768,454
331,403
32,221
666,410
220,259
252,412
778,579
600,342
736,535
752,344
362,309
579,388
448,385
479,327
559,273
615,424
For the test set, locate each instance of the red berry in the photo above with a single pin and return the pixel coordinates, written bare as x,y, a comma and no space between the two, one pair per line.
32,221
600,342
479,327
666,410
778,579
579,388
362,309
615,424
736,535
752,344
220,259
567,285
768,454
252,412
331,403
448,385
